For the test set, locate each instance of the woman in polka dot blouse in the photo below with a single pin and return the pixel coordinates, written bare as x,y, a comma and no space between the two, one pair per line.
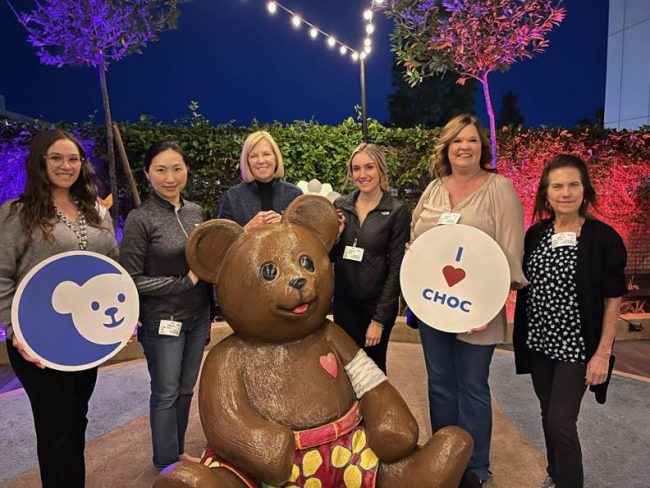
565,319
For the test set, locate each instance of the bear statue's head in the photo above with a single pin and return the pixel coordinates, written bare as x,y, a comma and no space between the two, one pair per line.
274,282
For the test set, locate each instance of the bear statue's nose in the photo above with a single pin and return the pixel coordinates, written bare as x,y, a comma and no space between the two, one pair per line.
111,311
297,283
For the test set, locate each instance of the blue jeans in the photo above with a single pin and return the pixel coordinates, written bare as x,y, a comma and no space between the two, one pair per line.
459,393
173,364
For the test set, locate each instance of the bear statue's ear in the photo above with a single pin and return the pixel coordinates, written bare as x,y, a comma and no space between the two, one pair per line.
207,246
317,214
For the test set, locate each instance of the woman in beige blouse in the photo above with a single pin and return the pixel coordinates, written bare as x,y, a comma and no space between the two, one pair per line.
458,364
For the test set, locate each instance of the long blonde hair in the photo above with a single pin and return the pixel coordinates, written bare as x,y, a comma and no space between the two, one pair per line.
378,156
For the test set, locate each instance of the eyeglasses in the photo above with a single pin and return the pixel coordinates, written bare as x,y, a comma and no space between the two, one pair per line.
58,159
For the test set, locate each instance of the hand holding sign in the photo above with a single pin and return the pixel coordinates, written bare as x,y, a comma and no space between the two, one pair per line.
455,278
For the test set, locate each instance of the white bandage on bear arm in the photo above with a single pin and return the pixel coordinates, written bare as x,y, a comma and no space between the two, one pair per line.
364,374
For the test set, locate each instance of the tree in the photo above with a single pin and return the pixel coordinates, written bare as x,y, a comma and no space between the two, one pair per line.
471,37
94,33
510,114
597,121
431,103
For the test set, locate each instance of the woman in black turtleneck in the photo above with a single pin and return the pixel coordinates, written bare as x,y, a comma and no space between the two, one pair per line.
262,195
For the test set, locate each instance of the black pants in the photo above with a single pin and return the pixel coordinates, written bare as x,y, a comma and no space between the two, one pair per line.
560,386
354,317
59,401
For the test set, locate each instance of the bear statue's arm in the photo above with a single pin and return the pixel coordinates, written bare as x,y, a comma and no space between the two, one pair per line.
263,449
391,428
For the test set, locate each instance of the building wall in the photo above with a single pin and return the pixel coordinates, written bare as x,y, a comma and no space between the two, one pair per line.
627,94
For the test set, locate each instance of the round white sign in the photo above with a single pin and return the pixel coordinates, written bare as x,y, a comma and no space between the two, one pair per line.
75,310
455,278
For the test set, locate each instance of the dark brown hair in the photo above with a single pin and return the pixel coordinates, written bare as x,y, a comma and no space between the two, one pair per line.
564,161
37,206
161,146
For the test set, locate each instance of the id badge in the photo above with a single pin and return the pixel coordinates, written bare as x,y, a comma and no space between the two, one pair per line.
353,253
564,239
170,328
448,218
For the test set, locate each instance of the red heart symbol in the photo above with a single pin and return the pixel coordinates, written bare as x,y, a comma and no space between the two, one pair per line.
329,364
453,275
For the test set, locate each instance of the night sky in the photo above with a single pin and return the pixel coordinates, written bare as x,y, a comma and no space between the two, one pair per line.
241,63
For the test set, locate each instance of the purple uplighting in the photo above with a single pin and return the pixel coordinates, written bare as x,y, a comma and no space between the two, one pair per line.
12,175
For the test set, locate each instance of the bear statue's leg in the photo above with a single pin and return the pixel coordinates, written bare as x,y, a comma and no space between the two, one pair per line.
184,474
439,463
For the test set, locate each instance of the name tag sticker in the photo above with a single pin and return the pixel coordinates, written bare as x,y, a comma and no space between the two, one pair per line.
564,239
448,218
353,253
170,328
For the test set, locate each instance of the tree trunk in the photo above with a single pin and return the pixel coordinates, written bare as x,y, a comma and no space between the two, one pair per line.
108,121
125,165
490,112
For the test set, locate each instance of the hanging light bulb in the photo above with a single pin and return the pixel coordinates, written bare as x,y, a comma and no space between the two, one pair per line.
273,5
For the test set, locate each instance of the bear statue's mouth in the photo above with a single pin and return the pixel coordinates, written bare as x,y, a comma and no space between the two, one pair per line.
300,309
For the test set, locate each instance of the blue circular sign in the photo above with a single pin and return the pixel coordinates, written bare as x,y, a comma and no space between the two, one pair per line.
75,310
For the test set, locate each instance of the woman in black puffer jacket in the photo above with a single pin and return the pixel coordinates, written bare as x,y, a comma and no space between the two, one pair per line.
368,255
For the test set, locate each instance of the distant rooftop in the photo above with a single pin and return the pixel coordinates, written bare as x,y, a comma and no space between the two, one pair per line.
6,114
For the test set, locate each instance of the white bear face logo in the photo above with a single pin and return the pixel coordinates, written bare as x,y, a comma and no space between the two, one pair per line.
101,308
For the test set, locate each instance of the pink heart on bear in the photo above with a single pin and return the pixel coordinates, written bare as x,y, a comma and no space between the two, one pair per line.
329,364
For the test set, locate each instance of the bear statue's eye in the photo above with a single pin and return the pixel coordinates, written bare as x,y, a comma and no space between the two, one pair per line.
94,306
269,271
121,297
307,263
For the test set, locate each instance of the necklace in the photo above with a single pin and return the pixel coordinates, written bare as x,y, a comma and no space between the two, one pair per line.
81,231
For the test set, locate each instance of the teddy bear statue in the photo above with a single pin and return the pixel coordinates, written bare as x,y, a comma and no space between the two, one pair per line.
290,400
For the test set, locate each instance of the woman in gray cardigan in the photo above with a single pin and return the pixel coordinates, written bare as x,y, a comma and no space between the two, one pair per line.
57,212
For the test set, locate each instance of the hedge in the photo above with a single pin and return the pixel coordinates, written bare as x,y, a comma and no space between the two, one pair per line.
619,161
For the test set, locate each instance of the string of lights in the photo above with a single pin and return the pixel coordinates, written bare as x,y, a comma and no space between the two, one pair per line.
273,6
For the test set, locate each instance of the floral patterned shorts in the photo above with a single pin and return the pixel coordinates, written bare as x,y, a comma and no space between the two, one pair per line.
335,455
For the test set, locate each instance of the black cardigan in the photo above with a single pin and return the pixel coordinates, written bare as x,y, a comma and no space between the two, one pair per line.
599,275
